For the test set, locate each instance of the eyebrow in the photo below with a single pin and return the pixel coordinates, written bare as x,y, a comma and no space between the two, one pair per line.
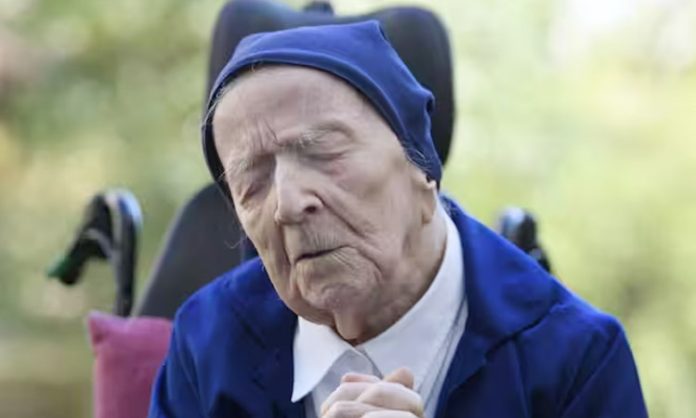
237,163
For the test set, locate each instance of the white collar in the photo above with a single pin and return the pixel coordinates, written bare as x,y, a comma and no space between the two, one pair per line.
419,334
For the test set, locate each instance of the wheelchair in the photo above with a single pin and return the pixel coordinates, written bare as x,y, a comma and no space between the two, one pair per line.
204,239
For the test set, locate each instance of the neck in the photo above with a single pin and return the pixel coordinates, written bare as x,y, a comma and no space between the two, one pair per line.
410,281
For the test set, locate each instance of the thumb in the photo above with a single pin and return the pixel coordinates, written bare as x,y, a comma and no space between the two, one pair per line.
402,376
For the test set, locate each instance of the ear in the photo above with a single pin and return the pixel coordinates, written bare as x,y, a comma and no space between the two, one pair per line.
426,193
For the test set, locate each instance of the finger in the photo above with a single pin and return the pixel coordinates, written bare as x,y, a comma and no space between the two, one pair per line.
390,395
348,409
401,375
390,414
359,377
348,391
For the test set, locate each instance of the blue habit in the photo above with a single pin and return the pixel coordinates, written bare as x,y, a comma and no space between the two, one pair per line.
530,349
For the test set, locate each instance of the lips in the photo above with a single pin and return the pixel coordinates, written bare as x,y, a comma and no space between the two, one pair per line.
315,254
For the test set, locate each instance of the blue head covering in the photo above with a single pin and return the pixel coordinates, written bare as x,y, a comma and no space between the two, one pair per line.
358,53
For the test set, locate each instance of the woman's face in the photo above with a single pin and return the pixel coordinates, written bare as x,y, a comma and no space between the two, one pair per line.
323,189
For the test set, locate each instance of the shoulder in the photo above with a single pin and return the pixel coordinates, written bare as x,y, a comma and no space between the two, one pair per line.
222,337
567,346
225,305
574,320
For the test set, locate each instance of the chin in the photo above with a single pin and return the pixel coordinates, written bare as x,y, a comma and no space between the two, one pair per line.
335,297
328,286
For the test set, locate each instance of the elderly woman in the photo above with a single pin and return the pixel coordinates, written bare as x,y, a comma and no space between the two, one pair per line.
373,295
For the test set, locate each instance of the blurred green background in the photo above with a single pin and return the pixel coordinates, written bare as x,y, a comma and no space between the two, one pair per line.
583,111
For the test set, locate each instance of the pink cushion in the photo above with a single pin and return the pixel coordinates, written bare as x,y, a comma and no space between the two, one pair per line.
128,353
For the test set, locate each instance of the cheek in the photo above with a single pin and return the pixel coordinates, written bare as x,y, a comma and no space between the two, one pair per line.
372,196
264,233
373,178
379,203
362,175
261,230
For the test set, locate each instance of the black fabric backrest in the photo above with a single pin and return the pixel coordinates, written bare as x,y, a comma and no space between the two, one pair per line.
205,240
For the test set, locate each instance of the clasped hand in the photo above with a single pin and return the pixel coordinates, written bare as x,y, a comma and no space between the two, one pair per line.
366,396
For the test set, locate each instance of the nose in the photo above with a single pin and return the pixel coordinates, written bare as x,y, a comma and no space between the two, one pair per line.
295,197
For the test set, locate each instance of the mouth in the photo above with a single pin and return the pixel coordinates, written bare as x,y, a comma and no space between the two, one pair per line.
315,254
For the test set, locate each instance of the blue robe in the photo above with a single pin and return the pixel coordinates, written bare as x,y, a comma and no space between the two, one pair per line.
530,349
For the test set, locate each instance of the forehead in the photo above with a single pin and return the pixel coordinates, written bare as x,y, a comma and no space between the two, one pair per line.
284,102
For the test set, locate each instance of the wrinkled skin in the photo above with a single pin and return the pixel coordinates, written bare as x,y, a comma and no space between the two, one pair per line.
345,225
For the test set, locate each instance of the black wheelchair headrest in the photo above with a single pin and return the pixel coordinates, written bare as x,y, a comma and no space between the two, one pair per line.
416,34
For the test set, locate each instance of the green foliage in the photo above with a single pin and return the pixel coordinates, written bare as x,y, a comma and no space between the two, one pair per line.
596,141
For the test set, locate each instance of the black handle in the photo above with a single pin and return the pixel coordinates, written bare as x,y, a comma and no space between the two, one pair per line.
109,231
520,228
